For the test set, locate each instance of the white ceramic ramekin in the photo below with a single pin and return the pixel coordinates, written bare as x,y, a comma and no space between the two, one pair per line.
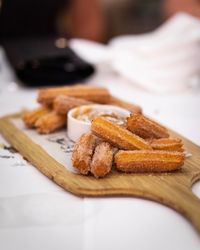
75,127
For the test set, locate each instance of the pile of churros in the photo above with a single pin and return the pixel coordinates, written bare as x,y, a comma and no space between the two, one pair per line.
56,102
140,145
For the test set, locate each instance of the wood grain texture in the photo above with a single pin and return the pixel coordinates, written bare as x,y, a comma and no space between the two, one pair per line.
171,189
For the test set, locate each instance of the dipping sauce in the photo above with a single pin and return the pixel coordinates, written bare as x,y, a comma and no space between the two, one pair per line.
79,119
88,113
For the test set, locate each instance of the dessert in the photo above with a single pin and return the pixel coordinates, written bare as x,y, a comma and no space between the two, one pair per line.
89,93
59,101
50,122
83,152
102,160
148,161
116,135
87,113
79,119
31,117
62,104
169,144
126,105
145,128
100,131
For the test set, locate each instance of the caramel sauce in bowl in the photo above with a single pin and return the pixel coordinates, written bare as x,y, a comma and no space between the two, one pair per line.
79,119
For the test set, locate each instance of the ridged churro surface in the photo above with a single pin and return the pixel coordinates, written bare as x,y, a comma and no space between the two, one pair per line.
102,160
50,122
89,93
62,104
148,161
116,135
168,144
31,117
83,152
146,128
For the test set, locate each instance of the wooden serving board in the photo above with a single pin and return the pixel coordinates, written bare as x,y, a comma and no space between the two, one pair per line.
171,189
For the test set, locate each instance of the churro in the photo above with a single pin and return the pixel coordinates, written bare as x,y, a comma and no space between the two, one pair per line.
126,105
148,161
83,152
117,135
168,144
146,128
62,104
89,93
50,122
31,117
102,160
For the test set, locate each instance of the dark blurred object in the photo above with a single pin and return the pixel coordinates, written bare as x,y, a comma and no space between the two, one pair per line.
65,69
29,33
45,61
69,18
29,17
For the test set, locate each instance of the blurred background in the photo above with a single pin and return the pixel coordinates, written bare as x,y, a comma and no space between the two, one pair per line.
97,20
35,29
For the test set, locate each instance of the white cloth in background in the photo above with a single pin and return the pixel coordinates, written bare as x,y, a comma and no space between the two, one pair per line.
6,73
165,60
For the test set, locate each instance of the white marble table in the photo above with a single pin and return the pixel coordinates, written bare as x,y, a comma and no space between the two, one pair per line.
36,214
